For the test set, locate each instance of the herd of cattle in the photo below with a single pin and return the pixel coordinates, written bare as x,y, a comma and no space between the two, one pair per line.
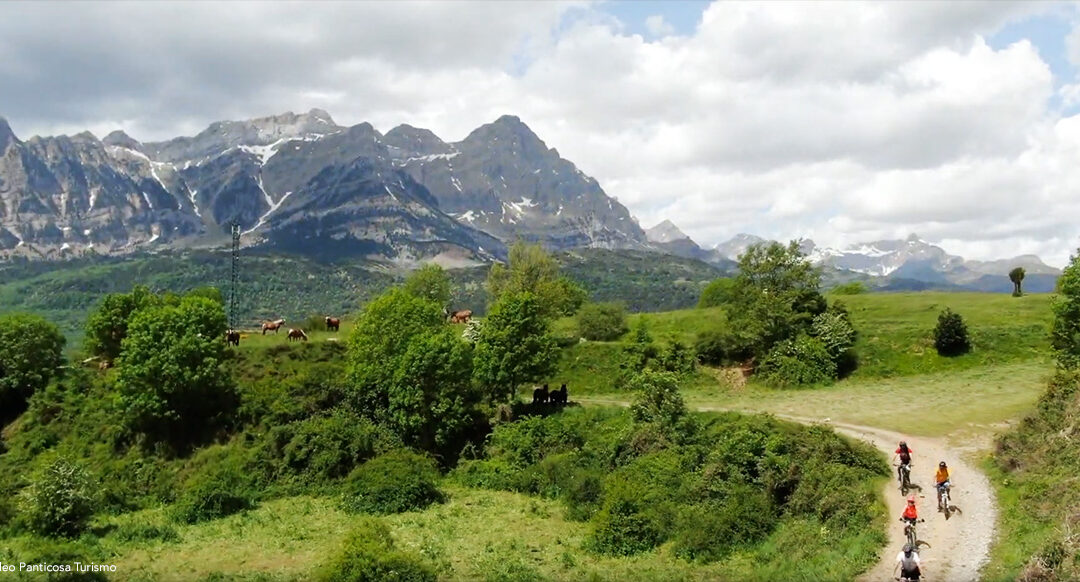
232,336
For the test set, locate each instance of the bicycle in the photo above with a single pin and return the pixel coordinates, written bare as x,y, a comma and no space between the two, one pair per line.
904,478
909,531
945,501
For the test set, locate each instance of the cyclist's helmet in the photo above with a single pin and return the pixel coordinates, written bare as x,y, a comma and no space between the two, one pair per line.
908,549
903,443
941,464
911,500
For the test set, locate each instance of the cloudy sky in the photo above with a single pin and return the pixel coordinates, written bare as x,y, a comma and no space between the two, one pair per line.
840,122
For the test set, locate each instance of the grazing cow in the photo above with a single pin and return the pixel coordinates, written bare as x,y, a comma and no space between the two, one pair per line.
461,316
540,395
332,323
232,337
272,325
297,334
559,396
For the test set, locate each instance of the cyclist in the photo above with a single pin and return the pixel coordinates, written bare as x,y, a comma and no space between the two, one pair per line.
908,563
941,481
904,452
911,514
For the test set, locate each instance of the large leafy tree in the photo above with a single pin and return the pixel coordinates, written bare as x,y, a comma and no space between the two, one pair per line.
172,380
776,295
408,370
430,282
107,325
514,346
31,350
1065,332
531,269
718,292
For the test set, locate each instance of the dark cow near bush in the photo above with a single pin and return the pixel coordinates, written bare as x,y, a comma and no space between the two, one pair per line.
540,395
559,396
232,337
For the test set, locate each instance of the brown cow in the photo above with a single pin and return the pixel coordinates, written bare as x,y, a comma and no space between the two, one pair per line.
461,316
297,334
272,325
332,323
232,337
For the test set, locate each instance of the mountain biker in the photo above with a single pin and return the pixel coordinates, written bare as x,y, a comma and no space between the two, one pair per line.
904,452
941,481
911,514
908,563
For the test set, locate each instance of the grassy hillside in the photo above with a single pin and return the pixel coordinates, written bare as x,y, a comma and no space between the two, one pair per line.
1035,469
295,288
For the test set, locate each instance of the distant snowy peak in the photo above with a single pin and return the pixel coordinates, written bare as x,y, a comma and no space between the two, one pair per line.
665,232
738,244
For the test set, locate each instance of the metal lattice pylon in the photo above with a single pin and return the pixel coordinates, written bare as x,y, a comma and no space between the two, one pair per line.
234,276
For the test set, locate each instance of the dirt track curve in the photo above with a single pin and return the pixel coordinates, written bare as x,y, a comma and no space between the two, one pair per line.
958,547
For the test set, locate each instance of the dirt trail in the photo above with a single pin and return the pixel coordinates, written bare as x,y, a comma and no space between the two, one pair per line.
959,546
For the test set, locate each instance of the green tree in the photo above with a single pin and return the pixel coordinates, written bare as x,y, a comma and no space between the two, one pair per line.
31,350
951,334
850,288
718,292
1017,277
430,282
411,372
211,293
172,379
107,325
531,269
602,321
776,295
514,347
59,500
657,399
1065,331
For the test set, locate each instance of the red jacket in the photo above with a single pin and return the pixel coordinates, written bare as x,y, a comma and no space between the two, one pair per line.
910,512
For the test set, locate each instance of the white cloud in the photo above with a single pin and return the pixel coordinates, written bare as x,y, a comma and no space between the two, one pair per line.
839,121
658,27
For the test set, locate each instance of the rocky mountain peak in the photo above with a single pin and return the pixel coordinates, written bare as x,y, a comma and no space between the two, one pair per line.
414,140
510,133
665,232
6,135
120,139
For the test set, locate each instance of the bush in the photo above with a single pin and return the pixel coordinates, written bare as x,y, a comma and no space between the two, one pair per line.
710,531
59,500
834,330
216,490
802,362
851,288
398,481
677,358
602,321
31,350
368,555
709,346
718,292
657,399
327,447
951,335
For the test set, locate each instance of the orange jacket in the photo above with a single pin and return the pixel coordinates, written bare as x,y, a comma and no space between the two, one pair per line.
910,512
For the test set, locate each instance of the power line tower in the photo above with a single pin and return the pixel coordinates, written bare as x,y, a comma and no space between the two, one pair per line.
235,275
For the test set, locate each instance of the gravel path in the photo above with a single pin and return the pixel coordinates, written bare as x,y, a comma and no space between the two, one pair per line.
958,547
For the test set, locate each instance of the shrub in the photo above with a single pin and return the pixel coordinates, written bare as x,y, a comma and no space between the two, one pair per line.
327,447
834,330
59,500
709,347
657,399
368,555
718,292
677,358
851,288
216,490
398,481
710,531
314,323
951,334
602,321
31,350
802,362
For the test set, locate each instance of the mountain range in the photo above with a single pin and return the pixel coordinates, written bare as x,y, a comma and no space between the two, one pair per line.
301,183
910,263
